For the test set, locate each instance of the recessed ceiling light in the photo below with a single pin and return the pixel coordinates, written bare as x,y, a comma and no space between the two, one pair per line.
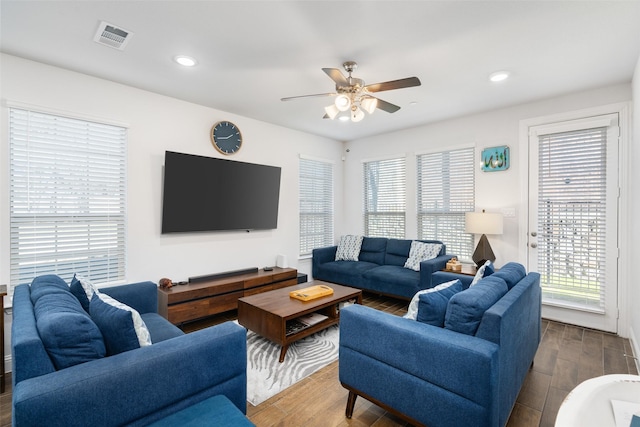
186,61
499,76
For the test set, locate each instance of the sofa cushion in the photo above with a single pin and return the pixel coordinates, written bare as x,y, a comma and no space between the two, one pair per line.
348,273
83,289
122,327
47,284
349,248
419,252
432,306
67,332
160,329
397,252
485,270
373,250
511,273
392,279
466,308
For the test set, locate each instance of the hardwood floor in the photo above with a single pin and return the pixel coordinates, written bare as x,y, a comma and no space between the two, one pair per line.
567,356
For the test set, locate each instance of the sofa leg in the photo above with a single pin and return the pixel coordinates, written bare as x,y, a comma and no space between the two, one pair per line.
351,402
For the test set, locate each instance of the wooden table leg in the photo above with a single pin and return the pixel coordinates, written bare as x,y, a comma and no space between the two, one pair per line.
283,352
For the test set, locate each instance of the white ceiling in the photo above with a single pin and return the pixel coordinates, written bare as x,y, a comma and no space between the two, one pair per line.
252,53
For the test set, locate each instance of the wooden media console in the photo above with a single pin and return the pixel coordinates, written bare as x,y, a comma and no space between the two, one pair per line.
184,303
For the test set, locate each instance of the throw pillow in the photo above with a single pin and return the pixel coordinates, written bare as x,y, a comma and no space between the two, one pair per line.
485,270
83,290
122,327
68,333
47,284
412,311
349,248
432,306
465,309
421,251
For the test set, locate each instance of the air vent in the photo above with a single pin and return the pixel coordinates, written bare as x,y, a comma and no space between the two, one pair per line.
112,36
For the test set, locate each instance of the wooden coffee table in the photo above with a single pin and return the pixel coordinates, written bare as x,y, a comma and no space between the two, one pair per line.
267,313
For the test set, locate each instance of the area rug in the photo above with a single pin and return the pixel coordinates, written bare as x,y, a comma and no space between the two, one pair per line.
267,377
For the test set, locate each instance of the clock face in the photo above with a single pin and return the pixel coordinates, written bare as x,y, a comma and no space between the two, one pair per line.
226,137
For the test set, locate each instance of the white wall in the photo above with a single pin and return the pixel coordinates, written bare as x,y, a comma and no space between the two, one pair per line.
157,123
495,191
634,291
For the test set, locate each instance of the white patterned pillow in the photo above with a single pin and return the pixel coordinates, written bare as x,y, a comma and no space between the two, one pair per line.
421,251
349,248
480,273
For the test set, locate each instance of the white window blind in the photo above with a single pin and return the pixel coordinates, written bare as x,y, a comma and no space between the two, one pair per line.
572,215
316,205
67,198
385,198
446,188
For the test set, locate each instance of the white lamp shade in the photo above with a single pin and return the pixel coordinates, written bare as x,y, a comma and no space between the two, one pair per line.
332,111
369,105
342,102
357,114
483,223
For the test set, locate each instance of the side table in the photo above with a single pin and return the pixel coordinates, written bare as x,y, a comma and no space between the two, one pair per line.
3,292
467,270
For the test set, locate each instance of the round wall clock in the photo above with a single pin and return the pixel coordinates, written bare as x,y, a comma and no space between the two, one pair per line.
226,137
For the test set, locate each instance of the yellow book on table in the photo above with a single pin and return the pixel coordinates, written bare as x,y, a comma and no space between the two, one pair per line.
312,292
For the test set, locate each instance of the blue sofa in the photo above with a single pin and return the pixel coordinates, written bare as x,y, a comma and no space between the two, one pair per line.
135,387
439,376
380,267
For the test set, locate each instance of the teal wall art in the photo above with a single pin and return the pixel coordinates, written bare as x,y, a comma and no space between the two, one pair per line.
495,159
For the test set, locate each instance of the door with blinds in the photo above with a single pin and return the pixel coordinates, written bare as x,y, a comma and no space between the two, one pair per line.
573,211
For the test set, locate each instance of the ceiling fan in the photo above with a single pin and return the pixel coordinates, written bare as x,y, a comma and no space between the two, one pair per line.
353,97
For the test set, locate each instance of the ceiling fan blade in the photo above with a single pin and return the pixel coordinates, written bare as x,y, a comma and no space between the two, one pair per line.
394,84
386,106
308,96
337,76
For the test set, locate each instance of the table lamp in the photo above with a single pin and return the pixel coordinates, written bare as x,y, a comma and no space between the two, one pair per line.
483,223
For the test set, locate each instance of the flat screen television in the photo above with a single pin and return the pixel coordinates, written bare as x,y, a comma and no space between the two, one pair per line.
210,194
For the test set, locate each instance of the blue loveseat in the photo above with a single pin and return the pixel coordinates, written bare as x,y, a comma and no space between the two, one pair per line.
135,387
440,376
380,267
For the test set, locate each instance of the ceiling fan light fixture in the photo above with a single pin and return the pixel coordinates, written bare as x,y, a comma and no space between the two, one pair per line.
369,104
342,102
332,111
343,118
356,114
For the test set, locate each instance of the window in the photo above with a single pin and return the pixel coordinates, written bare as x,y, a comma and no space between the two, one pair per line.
67,198
385,198
316,204
445,192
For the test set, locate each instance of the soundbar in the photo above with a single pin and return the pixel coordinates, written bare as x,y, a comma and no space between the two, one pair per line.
208,277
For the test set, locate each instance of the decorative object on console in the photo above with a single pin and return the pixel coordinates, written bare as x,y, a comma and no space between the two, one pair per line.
495,159
454,265
165,283
281,261
483,223
226,137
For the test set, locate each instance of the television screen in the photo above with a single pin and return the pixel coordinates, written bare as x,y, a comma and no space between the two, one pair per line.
210,194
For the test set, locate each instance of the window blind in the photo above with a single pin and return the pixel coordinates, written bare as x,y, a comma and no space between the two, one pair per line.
385,198
316,205
572,215
446,190
67,198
